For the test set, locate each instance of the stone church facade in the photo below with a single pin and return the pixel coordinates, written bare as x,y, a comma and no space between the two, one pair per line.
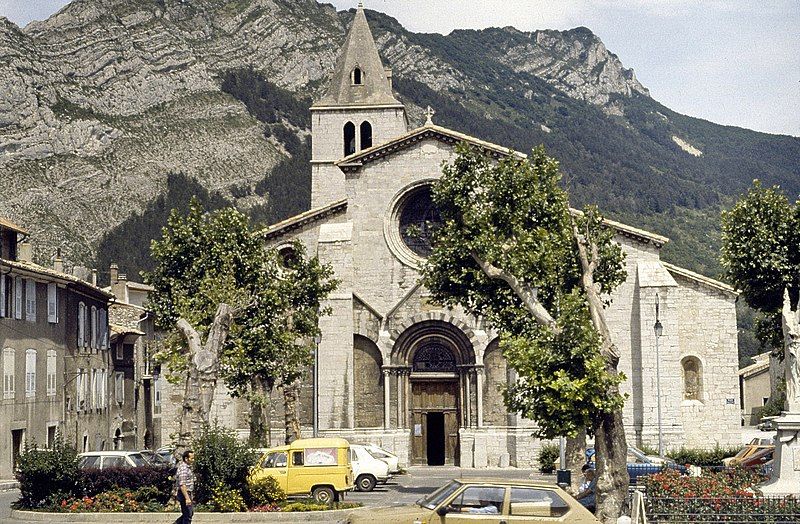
397,370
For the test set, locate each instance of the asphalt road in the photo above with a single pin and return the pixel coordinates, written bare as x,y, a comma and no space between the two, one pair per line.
403,489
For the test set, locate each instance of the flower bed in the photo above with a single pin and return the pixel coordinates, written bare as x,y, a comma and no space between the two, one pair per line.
726,496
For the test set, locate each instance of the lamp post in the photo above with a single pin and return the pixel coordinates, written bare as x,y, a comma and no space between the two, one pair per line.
659,330
315,399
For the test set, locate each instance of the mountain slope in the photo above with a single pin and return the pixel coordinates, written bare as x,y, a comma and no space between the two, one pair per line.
99,103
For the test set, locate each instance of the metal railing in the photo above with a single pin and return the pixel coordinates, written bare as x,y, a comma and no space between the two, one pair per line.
733,510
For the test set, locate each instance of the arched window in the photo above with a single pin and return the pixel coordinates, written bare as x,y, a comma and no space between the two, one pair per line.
366,135
692,378
434,356
349,138
357,76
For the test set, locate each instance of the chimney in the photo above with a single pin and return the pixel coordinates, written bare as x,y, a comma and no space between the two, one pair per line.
119,287
388,71
25,252
94,277
114,271
58,263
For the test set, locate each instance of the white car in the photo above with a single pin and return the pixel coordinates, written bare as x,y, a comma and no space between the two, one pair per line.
386,456
111,459
367,470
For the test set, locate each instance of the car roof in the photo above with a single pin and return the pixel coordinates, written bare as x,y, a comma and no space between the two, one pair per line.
108,453
509,482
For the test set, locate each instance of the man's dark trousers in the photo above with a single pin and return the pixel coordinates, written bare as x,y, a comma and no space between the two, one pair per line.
187,510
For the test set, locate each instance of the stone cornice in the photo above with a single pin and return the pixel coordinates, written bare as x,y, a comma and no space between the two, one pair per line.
304,218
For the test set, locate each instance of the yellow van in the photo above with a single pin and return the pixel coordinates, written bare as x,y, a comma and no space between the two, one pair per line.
317,466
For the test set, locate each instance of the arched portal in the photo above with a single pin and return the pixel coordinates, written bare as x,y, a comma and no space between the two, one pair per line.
435,365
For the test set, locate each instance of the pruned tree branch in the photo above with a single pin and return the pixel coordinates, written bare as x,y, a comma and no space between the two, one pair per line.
607,348
524,291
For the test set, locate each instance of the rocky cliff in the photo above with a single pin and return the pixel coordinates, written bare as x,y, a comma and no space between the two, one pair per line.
99,103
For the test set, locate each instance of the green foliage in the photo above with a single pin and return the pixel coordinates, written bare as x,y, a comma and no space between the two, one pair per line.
225,499
761,247
514,215
220,459
43,473
303,505
701,457
548,454
264,491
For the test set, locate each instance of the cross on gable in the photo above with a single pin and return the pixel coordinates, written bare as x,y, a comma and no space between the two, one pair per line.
429,112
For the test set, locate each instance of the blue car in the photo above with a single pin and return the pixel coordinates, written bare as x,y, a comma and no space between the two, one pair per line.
640,464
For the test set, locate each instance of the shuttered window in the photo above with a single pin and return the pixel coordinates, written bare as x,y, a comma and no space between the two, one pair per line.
30,373
119,387
30,300
81,324
8,373
80,390
52,303
103,330
51,372
18,298
93,331
3,295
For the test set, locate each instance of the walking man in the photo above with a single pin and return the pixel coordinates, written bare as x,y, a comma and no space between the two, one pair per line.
184,484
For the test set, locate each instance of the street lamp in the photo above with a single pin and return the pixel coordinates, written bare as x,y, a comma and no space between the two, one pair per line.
659,330
315,399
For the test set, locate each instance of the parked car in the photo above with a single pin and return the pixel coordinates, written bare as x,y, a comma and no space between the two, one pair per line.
111,459
317,466
754,446
641,464
489,500
387,456
367,469
167,453
155,459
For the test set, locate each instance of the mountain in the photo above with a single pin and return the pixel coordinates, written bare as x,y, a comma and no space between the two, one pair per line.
109,105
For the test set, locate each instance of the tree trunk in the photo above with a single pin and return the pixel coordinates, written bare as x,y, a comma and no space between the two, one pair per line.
291,423
576,458
611,452
203,369
259,413
611,448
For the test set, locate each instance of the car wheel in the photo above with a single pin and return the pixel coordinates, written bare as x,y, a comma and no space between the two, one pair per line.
365,483
323,494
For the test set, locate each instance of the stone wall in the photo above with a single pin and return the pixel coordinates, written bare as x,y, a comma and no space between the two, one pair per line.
368,384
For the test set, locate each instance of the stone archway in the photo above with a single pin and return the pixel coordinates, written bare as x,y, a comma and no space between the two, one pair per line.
434,364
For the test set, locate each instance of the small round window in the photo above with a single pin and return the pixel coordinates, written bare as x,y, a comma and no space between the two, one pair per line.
418,221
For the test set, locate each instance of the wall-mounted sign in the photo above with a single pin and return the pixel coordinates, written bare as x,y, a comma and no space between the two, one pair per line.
417,430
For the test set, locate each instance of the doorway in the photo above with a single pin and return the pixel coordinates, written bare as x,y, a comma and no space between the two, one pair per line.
17,436
435,439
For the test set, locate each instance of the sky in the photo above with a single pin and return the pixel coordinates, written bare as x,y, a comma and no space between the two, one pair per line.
734,62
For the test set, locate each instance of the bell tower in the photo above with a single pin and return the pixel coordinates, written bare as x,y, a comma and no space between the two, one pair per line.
358,111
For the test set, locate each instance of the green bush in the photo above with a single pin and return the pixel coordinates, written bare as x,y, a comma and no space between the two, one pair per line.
702,457
220,458
548,454
264,492
225,499
45,473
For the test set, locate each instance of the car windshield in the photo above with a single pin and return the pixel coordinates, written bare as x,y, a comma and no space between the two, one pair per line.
436,498
377,454
137,459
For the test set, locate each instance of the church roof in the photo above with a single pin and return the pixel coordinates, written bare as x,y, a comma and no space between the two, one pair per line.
697,277
359,51
443,134
304,218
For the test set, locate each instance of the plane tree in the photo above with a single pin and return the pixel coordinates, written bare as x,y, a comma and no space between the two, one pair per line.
235,312
761,258
510,249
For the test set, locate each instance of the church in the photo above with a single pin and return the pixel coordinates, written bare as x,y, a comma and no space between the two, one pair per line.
400,371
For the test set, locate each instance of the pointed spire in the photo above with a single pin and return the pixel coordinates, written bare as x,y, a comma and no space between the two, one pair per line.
359,77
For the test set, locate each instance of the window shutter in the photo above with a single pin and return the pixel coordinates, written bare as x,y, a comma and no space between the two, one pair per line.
52,305
2,296
81,323
18,298
51,372
93,331
30,300
103,329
